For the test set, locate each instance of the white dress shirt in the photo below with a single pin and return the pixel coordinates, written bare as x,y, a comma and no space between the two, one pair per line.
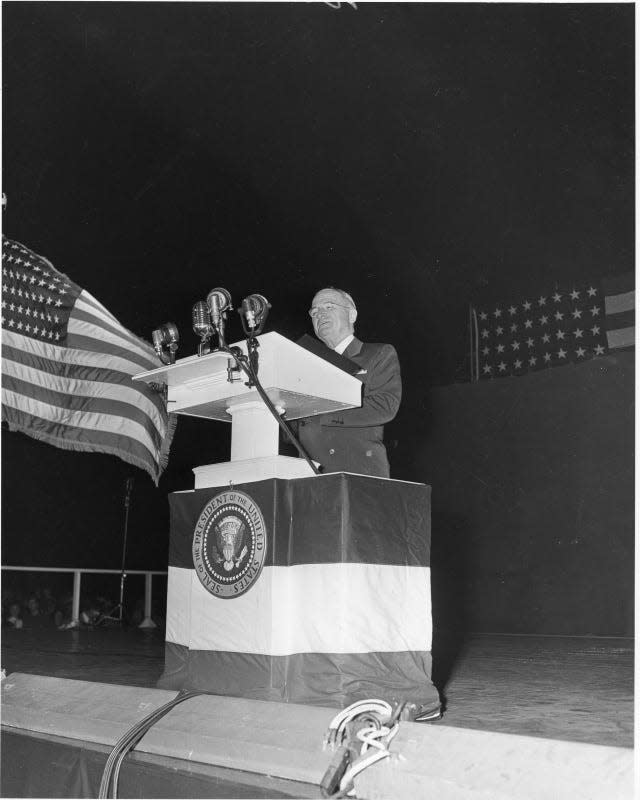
342,346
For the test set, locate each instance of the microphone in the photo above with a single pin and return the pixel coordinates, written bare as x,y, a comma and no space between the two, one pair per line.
202,325
254,309
166,335
218,302
158,340
173,337
201,320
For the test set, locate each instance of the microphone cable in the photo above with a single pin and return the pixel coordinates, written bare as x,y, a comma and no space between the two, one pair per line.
359,736
253,377
130,739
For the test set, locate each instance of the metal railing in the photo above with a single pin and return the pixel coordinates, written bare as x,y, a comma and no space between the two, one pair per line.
147,622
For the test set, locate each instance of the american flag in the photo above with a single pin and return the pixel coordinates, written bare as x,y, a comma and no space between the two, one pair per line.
552,329
67,365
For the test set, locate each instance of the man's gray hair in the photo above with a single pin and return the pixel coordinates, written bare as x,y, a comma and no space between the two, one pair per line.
345,295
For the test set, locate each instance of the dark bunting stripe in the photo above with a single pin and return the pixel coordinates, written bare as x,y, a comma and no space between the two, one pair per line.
327,519
365,519
323,679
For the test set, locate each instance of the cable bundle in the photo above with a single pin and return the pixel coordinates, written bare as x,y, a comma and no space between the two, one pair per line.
368,727
130,739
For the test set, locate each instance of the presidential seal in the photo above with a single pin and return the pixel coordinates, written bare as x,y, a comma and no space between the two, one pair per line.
229,544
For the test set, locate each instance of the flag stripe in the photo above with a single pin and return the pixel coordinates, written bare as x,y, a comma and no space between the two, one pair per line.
73,394
87,413
625,319
70,437
70,355
76,374
622,337
97,306
618,303
305,609
86,302
82,313
82,342
91,330
619,284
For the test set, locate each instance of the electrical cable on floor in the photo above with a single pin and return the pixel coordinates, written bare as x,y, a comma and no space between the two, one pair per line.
370,723
337,725
130,739
370,738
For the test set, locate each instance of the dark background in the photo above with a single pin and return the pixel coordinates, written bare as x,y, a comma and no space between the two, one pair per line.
416,155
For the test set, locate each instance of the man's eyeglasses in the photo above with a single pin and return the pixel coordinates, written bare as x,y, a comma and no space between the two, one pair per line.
313,312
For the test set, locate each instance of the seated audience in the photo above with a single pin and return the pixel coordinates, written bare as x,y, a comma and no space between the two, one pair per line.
33,617
14,619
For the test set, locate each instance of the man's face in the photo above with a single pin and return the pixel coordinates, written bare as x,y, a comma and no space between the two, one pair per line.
332,318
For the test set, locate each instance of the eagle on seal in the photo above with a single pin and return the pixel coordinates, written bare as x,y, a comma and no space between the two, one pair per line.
230,534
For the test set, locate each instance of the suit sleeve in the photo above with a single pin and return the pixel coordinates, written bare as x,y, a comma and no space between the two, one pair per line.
381,394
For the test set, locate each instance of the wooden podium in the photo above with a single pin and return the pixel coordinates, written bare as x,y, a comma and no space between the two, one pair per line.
297,382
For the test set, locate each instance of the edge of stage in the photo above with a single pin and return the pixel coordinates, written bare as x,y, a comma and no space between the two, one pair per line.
527,717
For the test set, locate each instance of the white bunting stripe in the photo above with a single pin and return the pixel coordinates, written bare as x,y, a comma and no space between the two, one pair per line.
306,608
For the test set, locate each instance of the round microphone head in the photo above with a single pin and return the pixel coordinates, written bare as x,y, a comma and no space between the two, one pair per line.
173,334
251,309
254,309
218,300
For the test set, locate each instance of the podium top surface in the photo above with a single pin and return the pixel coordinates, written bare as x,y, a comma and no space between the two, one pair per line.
300,382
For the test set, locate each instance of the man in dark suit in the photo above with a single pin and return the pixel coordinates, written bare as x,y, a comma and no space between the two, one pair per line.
351,441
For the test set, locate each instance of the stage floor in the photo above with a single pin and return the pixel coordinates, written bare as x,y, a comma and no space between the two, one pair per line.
573,688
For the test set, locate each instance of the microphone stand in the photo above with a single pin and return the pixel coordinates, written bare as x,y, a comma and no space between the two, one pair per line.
252,351
120,606
123,574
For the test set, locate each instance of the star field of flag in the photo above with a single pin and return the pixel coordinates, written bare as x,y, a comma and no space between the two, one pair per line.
36,299
536,333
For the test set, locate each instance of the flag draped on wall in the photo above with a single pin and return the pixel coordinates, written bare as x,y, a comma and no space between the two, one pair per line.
619,309
552,329
67,365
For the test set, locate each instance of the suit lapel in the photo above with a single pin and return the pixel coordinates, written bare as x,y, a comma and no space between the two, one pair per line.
353,348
